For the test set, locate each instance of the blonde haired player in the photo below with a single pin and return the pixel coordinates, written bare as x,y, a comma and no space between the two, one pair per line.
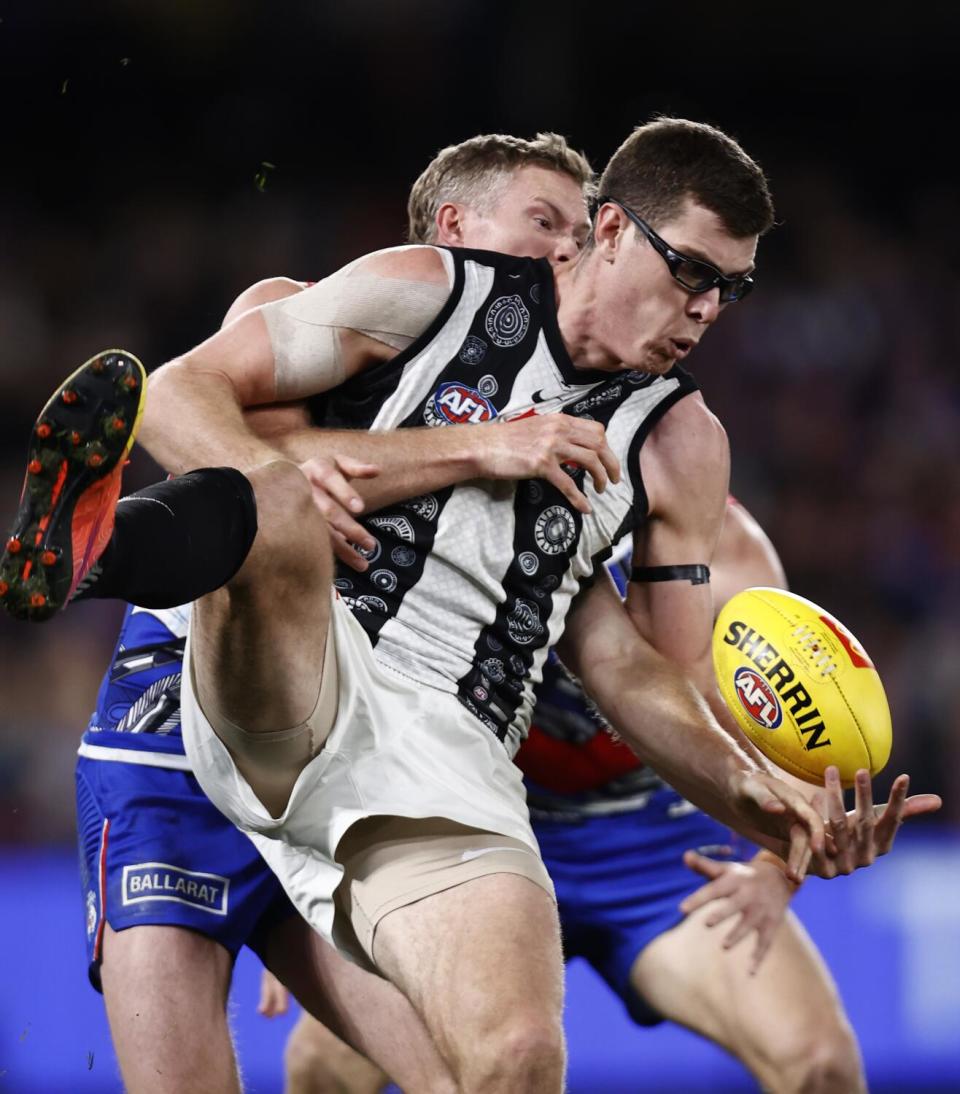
164,966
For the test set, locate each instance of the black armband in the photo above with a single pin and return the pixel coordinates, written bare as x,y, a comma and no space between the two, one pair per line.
696,575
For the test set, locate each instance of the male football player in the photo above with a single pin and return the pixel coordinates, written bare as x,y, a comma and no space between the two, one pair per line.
362,756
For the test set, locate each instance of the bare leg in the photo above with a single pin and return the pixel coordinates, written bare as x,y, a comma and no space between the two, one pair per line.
159,1041
317,1062
482,965
258,644
809,1048
365,1011
259,641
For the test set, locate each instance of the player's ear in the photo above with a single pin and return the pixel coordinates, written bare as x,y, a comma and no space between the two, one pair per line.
609,227
450,226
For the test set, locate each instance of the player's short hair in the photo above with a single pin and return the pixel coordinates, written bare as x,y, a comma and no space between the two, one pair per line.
475,171
669,160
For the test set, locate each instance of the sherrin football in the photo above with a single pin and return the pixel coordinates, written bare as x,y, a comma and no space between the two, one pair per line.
800,685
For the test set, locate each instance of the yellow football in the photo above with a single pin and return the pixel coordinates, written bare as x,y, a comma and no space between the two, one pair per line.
800,685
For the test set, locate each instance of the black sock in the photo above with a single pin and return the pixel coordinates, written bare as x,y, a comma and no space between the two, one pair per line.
177,540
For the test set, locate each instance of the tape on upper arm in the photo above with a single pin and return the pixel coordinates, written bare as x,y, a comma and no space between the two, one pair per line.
304,329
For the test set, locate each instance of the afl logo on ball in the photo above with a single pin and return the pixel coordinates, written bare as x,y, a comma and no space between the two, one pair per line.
757,697
456,403
507,321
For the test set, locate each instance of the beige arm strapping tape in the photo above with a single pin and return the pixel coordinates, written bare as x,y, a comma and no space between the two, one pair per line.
304,328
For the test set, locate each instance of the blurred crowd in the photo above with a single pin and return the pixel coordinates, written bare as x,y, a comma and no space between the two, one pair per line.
837,382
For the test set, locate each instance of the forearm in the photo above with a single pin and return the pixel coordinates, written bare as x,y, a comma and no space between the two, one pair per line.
663,717
670,726
193,418
410,461
718,709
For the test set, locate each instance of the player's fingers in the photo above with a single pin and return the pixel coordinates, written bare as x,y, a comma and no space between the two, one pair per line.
778,797
886,828
592,435
739,931
918,804
347,552
837,817
700,864
273,996
800,852
339,520
714,890
328,479
761,947
610,462
590,461
865,826
565,484
720,913
357,469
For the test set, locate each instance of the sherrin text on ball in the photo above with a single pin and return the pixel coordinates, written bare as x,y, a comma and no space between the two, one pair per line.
800,686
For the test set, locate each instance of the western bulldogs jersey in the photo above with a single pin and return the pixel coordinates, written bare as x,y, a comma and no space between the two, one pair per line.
137,717
468,587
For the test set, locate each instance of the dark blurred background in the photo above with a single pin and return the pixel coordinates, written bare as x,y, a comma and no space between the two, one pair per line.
158,157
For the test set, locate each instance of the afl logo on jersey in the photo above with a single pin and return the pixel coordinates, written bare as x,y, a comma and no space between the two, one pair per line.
456,403
555,530
507,321
757,697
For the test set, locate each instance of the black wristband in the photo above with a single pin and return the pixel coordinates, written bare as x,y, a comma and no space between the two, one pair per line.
696,575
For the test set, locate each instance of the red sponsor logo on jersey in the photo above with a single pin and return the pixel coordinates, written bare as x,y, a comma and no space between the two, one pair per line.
757,697
458,404
849,643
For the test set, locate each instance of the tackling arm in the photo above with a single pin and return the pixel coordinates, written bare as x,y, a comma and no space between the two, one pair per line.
194,413
228,407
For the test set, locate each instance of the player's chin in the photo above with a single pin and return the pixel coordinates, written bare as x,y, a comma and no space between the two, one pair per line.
656,363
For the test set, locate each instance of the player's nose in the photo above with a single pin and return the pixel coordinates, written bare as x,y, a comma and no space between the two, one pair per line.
704,307
565,250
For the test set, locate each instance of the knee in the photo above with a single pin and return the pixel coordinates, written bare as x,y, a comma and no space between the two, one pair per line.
528,1054
283,493
287,517
827,1061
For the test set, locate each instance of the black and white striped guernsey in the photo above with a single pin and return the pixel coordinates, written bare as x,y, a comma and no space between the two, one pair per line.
468,587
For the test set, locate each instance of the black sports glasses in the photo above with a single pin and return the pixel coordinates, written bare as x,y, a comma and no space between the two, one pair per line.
693,274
